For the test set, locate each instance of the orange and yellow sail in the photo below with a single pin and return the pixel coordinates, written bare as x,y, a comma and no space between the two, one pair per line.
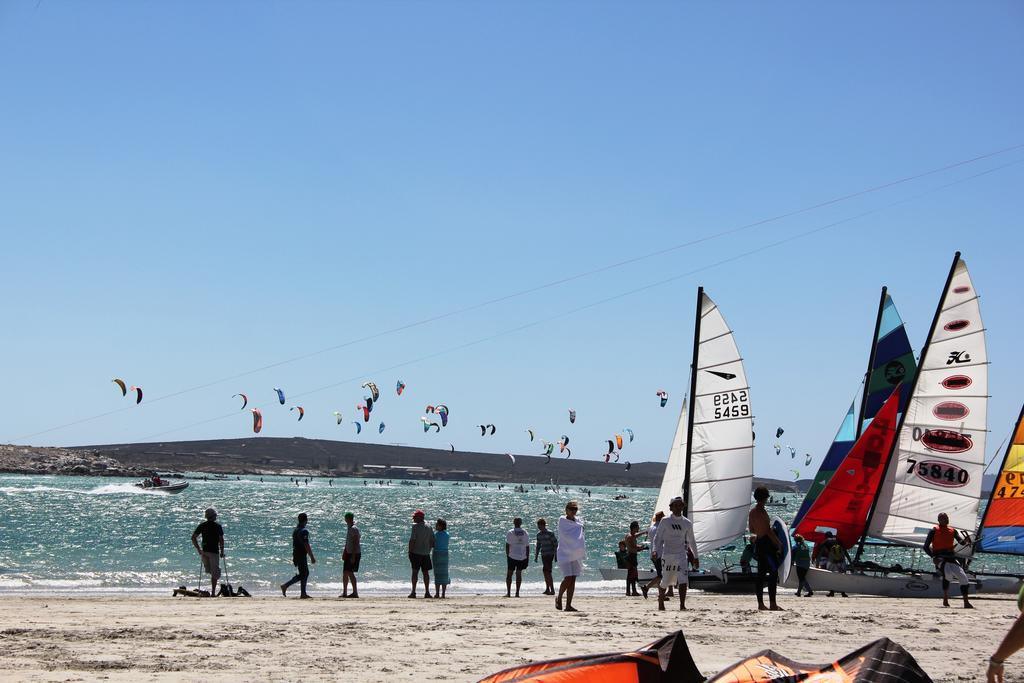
1002,529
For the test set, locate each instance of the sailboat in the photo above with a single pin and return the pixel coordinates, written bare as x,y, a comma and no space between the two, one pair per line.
711,459
935,461
1002,526
890,363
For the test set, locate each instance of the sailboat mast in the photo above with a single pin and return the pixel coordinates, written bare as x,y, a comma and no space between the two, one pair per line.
692,402
906,409
999,472
871,364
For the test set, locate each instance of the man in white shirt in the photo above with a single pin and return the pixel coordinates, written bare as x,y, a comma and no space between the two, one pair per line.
517,553
673,537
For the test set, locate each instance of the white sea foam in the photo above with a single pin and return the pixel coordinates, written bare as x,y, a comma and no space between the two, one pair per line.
105,490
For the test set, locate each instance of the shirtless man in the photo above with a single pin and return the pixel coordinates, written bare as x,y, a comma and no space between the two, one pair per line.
673,537
766,550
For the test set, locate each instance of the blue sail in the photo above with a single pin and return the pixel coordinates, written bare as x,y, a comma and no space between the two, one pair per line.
893,363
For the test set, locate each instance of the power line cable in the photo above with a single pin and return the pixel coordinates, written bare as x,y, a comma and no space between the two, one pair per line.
537,288
599,302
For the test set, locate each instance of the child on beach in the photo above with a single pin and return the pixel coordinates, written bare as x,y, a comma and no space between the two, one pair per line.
441,578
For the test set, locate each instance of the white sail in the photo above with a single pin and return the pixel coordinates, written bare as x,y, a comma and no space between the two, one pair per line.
722,451
940,452
675,469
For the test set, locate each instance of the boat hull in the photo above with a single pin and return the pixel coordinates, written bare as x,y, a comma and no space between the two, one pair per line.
900,585
169,489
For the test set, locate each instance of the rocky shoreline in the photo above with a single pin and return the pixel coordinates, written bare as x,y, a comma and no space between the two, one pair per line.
64,461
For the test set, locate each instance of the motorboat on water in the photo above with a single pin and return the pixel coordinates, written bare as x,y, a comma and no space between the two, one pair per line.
162,485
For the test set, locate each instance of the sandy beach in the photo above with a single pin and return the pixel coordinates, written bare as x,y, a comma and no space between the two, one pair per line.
460,639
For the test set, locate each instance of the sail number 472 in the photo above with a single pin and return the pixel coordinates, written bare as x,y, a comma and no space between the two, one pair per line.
731,404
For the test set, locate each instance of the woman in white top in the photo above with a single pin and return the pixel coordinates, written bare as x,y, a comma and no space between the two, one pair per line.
571,553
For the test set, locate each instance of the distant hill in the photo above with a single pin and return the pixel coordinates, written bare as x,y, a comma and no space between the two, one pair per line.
350,459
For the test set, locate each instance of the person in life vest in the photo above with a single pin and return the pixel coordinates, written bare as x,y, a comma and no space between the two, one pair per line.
940,546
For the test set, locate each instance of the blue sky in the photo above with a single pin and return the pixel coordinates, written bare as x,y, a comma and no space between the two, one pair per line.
192,192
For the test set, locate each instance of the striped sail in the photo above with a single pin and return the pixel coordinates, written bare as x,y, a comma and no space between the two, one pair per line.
893,362
940,453
840,447
1002,530
722,447
675,469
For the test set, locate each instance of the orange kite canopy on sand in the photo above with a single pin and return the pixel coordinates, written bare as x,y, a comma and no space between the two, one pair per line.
664,661
669,661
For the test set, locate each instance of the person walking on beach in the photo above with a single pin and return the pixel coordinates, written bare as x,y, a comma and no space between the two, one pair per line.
633,549
547,546
940,546
802,563
350,557
300,550
766,550
213,547
517,555
672,543
421,542
655,560
572,550
441,540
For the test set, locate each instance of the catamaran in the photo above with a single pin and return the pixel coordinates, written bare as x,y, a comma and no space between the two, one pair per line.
931,462
711,459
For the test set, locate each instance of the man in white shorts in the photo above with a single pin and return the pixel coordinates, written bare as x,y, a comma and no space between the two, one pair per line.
940,545
674,536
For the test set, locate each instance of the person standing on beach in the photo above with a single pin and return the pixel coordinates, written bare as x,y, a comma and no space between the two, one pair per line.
940,545
213,547
572,550
747,555
517,555
547,546
633,549
766,549
421,542
672,542
802,562
441,540
300,549
350,557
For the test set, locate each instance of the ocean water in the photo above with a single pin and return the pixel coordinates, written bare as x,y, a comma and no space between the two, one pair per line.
99,535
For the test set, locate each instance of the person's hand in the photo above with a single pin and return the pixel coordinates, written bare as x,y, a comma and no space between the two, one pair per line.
696,564
222,553
312,559
995,672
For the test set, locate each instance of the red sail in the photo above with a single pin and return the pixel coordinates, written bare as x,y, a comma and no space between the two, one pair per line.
843,504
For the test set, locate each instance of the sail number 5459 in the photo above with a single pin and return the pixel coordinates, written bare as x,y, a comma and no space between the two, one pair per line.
731,404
